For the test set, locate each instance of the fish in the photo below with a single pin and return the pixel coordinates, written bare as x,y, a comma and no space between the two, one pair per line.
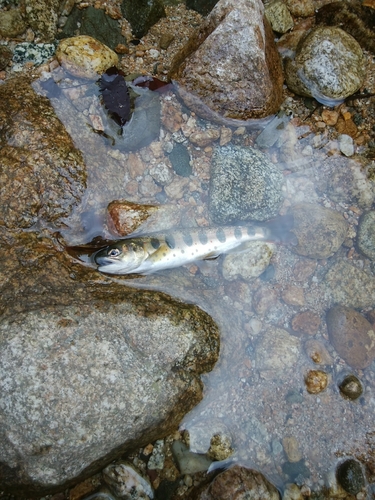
147,254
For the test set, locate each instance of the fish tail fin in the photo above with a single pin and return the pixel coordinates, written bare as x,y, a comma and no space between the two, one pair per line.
281,230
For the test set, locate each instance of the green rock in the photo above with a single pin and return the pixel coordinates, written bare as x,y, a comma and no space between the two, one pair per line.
96,23
142,14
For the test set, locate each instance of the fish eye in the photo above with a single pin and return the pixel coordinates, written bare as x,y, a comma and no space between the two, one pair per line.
114,252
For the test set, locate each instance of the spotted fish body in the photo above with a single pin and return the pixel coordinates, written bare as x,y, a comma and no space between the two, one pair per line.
154,252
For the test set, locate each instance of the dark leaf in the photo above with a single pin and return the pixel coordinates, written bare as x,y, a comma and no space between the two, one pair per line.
115,95
151,83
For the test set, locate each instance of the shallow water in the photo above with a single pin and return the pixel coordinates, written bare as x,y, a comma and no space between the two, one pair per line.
259,404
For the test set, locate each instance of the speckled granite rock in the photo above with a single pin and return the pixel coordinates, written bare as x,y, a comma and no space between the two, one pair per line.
37,182
42,17
279,16
230,69
129,368
347,285
248,264
320,231
329,65
245,185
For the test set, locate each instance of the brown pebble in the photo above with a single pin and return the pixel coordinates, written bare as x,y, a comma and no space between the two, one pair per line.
351,387
330,117
121,49
291,449
347,127
351,335
165,40
306,322
316,381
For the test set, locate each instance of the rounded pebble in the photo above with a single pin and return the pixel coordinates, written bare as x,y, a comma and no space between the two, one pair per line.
366,235
351,387
351,335
329,66
316,381
85,57
320,231
350,476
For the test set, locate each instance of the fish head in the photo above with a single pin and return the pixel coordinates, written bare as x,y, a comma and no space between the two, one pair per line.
122,257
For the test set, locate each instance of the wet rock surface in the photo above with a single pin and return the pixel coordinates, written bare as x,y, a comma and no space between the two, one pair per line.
350,476
352,336
85,57
38,183
142,15
329,66
366,235
136,376
320,231
245,185
240,483
95,23
231,65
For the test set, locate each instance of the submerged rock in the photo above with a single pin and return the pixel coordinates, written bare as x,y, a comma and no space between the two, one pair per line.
230,68
248,264
366,235
320,231
329,65
245,186
350,476
129,368
127,483
352,336
38,182
350,181
238,483
347,285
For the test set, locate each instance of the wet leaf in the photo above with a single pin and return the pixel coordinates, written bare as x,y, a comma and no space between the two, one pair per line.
115,95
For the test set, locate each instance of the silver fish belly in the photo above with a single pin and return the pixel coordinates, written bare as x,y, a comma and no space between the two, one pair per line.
155,252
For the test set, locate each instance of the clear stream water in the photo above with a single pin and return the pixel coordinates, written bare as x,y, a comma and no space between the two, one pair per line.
256,394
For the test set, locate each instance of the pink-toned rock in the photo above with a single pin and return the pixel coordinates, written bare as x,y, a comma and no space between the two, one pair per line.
238,483
230,69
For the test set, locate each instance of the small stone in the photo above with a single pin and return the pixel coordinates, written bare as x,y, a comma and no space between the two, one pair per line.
248,264
240,483
292,492
346,145
187,461
351,387
278,16
85,57
317,352
366,235
352,336
316,381
5,56
276,351
306,322
350,476
180,159
330,117
121,49
165,40
320,231
293,295
291,448
203,138
225,135
220,447
127,482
